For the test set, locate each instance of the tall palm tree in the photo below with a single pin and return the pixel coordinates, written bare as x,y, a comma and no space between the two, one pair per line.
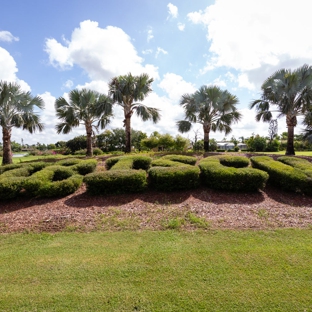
126,91
86,107
211,107
17,110
290,94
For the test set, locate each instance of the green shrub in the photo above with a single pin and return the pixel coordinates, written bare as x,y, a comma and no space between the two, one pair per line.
298,163
110,162
11,181
10,188
282,175
68,162
165,163
189,160
97,151
9,167
116,182
234,161
85,166
53,181
174,178
215,175
128,162
81,152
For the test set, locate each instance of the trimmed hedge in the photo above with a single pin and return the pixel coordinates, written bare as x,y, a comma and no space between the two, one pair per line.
68,162
165,163
85,166
53,181
282,175
217,176
189,160
128,162
174,178
11,181
298,163
234,161
116,182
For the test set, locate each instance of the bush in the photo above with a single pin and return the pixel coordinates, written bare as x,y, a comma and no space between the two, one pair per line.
81,152
116,182
189,160
97,151
85,166
234,161
53,181
174,178
68,162
299,163
11,181
161,162
128,162
282,175
215,175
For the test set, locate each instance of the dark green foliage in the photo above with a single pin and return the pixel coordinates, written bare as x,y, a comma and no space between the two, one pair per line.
282,175
77,143
189,160
9,167
174,178
10,188
85,166
53,181
161,162
298,163
110,162
116,182
218,176
97,151
234,161
68,162
11,181
128,162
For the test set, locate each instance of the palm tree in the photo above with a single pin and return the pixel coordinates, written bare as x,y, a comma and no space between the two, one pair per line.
17,110
126,91
290,93
85,107
211,107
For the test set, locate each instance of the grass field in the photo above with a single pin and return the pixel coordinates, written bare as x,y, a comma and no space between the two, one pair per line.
157,271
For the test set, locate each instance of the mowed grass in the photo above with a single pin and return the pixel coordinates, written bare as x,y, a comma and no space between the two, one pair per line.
157,271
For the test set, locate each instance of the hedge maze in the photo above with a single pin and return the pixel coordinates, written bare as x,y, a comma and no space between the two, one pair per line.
130,174
41,179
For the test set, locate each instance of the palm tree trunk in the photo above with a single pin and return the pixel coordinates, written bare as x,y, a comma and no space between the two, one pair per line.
89,140
127,124
291,123
7,151
206,137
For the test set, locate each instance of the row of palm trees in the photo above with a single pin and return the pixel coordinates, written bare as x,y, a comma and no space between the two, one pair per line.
286,92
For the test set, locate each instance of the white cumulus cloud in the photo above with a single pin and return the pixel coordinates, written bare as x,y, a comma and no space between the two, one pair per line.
102,52
172,10
7,36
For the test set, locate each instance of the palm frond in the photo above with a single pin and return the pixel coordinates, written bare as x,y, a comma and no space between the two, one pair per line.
184,126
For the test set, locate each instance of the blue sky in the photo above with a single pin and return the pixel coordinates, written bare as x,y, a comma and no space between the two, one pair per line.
51,47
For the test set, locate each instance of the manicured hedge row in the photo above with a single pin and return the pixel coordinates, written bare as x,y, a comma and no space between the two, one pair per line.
174,172
215,175
282,175
116,182
128,162
234,161
299,163
174,178
13,177
53,181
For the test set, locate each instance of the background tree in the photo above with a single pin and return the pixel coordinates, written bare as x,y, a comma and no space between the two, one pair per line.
77,143
211,107
86,107
289,93
126,91
17,110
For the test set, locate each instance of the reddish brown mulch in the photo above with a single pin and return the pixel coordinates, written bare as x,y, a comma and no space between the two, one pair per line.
267,209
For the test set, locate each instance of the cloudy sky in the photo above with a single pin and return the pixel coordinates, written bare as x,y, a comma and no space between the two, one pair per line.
51,47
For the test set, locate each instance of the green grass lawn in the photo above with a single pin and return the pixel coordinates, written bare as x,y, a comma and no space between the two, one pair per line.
157,271
298,153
